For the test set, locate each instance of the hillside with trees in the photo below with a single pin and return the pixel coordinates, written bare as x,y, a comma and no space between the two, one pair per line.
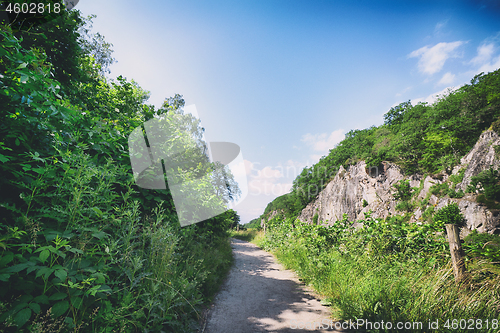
397,269
82,247
422,138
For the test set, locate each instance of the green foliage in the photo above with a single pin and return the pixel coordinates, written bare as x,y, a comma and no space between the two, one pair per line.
403,190
420,138
403,193
249,235
496,126
405,206
387,270
483,245
497,150
81,247
486,183
449,214
439,189
315,219
365,203
427,214
254,224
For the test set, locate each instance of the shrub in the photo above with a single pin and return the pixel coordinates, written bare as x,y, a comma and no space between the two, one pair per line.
403,190
449,214
428,213
439,189
483,245
496,126
365,203
486,182
405,206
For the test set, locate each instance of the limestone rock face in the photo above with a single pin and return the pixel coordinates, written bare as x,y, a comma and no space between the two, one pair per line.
480,158
346,192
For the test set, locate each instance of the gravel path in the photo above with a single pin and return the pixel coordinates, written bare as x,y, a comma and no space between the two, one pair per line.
260,296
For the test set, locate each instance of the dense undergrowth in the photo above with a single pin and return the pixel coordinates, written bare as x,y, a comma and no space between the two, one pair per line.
391,271
82,248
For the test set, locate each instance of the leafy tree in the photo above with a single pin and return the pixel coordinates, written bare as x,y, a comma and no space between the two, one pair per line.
396,114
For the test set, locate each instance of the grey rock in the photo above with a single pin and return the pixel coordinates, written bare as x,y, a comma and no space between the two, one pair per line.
346,192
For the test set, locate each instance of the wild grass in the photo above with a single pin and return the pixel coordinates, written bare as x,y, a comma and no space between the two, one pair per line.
375,281
250,235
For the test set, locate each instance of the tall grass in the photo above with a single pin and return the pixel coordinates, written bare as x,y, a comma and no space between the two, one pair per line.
372,279
250,235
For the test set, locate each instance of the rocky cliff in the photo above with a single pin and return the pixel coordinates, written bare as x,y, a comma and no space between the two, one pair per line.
359,190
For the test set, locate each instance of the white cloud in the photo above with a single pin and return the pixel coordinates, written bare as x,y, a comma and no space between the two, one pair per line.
439,26
447,79
270,180
404,91
484,54
264,184
323,142
490,67
434,96
432,59
485,59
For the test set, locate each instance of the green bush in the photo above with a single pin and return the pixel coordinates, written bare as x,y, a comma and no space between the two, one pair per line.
365,203
404,206
315,219
439,189
427,214
403,190
496,126
82,248
487,183
449,214
483,245
386,270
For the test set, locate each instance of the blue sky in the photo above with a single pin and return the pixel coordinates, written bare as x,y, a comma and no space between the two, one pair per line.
285,80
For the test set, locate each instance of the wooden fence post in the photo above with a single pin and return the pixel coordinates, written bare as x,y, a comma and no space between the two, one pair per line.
456,251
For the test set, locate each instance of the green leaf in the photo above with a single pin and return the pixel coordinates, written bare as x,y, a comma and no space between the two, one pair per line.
4,158
99,277
60,308
4,277
22,317
99,234
35,307
17,268
58,296
61,274
44,255
8,256
23,65
45,270
42,299
39,170
77,302
97,211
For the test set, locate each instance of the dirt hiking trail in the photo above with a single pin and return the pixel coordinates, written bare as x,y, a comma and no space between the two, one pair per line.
259,295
